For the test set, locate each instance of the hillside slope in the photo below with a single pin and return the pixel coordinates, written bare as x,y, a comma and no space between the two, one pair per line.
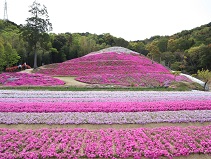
115,66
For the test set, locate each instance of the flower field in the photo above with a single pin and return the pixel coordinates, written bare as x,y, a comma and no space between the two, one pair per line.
26,79
104,108
110,143
115,68
103,124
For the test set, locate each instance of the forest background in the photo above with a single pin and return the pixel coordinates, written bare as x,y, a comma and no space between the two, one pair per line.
186,51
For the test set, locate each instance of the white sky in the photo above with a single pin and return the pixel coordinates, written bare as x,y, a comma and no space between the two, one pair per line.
129,19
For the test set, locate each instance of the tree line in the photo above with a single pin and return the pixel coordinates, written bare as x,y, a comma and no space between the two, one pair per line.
187,51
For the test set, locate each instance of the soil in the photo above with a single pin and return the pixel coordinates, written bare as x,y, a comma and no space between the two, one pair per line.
70,81
27,71
101,126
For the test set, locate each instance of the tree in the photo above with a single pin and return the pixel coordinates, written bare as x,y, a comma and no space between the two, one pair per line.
198,57
36,26
59,41
162,44
108,39
168,57
45,45
172,45
11,56
204,75
87,45
154,51
120,42
137,46
2,57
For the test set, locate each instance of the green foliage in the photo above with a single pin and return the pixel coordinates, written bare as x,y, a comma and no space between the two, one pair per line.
176,73
8,56
163,44
199,57
189,50
11,56
2,57
108,39
121,42
204,75
168,58
154,52
137,46
184,86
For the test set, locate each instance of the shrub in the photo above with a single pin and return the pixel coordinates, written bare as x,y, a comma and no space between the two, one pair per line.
15,68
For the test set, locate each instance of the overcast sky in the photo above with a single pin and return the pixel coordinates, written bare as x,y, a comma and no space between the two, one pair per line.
129,19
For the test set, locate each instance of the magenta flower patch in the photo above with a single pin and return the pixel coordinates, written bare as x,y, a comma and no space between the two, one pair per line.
82,143
26,79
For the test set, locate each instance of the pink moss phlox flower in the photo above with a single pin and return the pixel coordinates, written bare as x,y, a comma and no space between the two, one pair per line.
26,79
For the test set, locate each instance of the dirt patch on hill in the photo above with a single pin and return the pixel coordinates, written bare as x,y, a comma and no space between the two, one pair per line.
70,81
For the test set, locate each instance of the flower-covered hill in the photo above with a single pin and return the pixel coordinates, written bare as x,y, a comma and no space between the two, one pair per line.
116,66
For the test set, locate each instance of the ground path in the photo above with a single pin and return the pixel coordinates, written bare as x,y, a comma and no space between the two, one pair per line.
69,81
101,126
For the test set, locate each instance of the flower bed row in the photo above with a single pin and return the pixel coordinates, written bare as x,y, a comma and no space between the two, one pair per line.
108,96
102,99
104,106
26,79
133,79
106,118
108,143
